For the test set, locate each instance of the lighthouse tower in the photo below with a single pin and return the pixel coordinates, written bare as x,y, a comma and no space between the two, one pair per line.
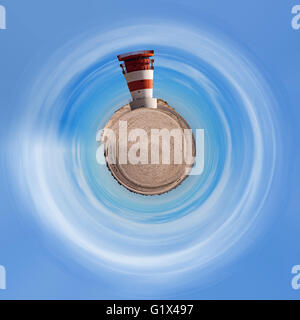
138,71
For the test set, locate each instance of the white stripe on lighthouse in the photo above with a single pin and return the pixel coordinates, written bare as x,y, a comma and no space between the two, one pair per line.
143,93
139,75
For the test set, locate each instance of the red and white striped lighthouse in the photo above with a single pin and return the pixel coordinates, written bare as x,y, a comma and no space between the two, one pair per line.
138,71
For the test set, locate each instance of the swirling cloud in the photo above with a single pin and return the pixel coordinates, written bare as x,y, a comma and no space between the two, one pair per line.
212,83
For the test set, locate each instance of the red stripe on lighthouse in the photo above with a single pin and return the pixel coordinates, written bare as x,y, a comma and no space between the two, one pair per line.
140,84
137,64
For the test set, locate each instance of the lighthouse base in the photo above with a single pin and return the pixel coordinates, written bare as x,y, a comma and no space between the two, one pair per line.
143,103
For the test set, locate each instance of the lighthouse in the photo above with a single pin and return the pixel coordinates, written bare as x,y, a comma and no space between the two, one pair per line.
138,71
